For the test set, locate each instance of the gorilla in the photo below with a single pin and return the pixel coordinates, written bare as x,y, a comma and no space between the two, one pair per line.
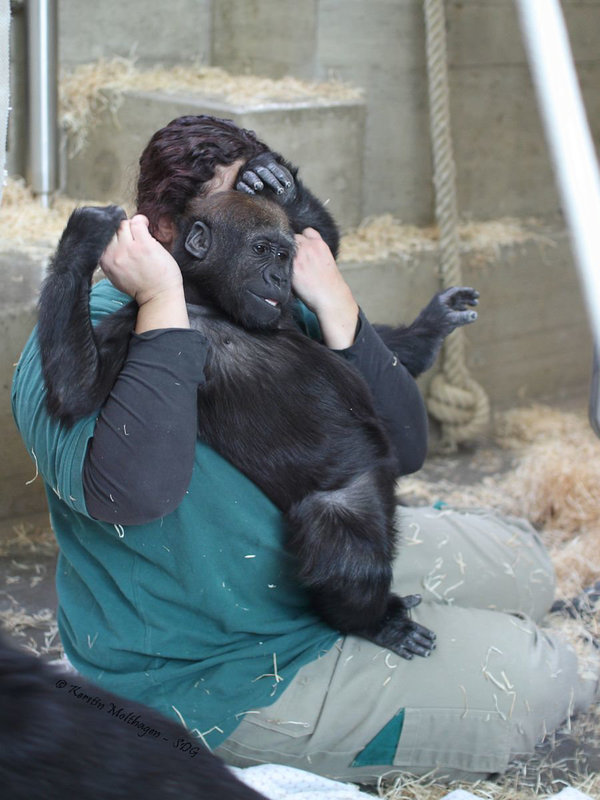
292,415
62,737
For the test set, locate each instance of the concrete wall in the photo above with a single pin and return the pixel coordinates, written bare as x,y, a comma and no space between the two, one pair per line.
500,151
501,154
151,32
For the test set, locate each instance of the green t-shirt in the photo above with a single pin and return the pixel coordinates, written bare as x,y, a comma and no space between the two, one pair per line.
198,611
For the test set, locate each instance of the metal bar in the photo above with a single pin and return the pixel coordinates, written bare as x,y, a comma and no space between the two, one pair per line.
569,139
42,39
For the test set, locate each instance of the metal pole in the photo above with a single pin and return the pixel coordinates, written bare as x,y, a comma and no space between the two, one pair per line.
42,38
569,139
4,84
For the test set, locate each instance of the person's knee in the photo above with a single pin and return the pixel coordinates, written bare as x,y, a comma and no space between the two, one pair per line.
557,685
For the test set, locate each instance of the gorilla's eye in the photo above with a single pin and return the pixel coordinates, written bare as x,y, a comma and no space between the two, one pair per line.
260,249
282,255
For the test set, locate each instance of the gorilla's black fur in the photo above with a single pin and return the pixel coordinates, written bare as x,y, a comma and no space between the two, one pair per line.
61,738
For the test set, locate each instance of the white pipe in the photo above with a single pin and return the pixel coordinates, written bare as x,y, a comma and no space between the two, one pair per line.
43,102
569,139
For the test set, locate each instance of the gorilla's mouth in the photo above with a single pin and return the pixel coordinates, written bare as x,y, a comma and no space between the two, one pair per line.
271,301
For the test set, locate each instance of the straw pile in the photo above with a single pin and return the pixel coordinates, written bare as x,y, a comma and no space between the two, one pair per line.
23,220
556,485
385,236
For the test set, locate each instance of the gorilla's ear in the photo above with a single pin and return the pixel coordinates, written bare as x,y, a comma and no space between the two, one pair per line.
198,240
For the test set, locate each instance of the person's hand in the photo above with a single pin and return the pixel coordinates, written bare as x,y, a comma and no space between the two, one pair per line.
318,282
137,264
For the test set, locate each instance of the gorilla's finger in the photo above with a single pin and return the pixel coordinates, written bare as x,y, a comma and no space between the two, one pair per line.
243,187
253,181
281,174
270,179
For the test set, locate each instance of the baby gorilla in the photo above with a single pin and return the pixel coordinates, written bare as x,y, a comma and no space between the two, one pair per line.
292,415
61,737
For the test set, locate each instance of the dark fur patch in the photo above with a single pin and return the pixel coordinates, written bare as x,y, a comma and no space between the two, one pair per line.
62,738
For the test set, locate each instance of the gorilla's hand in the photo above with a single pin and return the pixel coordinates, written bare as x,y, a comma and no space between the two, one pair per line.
449,309
88,233
399,633
264,173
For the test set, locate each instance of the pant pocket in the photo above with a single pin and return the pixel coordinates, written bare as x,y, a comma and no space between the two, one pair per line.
471,742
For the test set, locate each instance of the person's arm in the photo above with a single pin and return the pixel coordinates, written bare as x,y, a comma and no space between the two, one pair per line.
396,396
398,401
139,462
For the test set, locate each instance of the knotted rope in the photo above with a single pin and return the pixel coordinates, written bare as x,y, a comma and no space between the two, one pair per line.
456,400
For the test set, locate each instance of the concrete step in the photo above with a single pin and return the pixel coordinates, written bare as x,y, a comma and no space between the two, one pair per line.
308,132
22,267
532,339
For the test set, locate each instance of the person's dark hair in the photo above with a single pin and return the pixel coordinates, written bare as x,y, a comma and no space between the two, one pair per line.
181,158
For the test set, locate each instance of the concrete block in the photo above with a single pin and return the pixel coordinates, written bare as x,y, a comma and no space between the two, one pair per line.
532,338
268,37
381,47
21,270
152,33
502,161
503,165
483,34
308,134
487,32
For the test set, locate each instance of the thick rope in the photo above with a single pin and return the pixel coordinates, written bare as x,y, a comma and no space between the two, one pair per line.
456,400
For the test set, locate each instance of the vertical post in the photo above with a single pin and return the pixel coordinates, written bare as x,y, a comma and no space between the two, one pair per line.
569,139
4,84
42,39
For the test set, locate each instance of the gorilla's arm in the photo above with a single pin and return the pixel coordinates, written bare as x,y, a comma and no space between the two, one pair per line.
271,174
418,344
80,363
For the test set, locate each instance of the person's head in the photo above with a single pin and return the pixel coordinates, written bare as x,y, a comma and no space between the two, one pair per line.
186,159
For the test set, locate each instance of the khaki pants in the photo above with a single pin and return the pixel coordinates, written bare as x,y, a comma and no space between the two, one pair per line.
493,687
